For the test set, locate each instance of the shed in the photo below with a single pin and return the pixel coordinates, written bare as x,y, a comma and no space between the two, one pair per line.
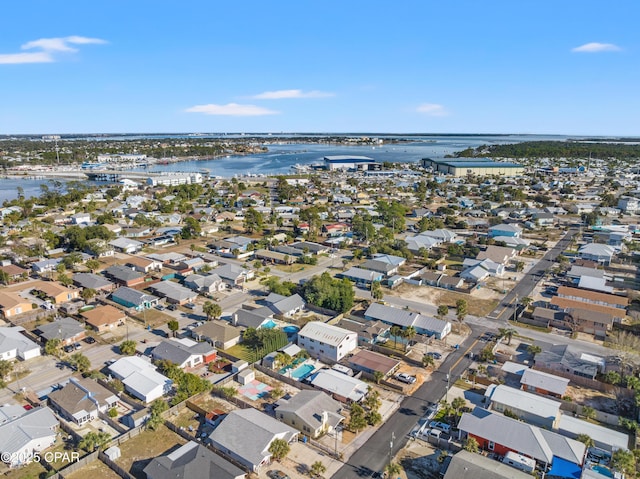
239,366
113,453
246,376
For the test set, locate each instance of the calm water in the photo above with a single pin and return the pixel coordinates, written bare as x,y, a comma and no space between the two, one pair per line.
280,158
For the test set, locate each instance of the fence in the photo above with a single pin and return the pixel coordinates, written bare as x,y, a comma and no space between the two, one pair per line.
114,424
282,378
74,466
579,380
136,405
114,467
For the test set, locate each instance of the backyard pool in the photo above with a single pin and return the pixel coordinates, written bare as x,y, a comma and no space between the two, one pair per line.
605,471
302,371
269,324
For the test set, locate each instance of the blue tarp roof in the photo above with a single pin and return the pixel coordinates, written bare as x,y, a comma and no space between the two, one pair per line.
563,468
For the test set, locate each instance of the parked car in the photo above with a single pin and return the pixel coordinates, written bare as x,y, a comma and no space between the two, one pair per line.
89,340
77,346
159,307
405,378
277,475
440,425
434,355
172,307
68,348
190,306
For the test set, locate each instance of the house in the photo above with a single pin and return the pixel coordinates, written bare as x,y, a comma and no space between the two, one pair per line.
501,434
505,229
127,245
231,437
174,293
440,235
12,304
124,275
57,293
604,438
326,342
528,407
253,318
361,276
140,378
369,332
25,433
81,219
92,281
66,329
274,257
341,387
399,317
184,353
130,298
81,399
370,362
14,272
566,305
387,269
313,413
15,345
512,242
234,275
205,284
568,361
466,465
143,265
593,297
491,267
285,306
217,333
497,254
309,247
46,265
629,204
420,242
104,318
546,384
192,460
600,253
390,259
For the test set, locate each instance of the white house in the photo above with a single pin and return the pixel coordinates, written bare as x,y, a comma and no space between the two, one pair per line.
15,345
327,342
140,378
23,433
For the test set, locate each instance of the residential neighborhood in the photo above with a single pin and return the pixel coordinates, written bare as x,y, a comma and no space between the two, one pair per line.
361,319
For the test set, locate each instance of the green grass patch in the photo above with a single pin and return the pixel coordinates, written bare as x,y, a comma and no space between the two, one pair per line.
242,352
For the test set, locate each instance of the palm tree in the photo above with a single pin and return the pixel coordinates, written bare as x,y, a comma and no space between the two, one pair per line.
471,444
428,361
507,333
409,333
586,440
395,332
318,468
393,468
377,376
212,310
279,448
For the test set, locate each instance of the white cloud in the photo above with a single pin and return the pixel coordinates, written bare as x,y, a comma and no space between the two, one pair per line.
48,47
432,109
17,58
231,109
596,47
281,94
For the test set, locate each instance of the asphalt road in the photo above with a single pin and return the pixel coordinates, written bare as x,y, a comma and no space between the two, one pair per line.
375,454
506,309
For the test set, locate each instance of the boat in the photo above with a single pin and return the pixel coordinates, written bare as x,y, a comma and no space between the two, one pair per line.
299,167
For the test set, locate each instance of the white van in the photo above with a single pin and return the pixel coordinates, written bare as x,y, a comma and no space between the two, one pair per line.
519,461
433,433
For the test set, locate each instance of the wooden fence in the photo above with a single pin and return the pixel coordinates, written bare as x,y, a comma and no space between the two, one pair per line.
114,467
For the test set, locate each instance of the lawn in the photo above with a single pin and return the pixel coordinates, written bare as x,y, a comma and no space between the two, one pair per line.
96,469
475,306
292,268
153,317
138,451
242,352
35,470
185,419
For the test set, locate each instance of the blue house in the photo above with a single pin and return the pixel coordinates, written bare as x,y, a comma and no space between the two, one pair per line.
505,229
130,298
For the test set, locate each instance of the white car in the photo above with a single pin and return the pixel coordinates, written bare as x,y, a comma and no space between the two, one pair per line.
405,378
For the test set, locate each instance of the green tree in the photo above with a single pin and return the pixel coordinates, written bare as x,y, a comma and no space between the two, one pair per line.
113,412
623,461
461,309
173,326
6,367
458,403
191,228
377,376
94,440
253,220
318,468
212,310
526,301
506,333
471,444
376,291
357,419
428,361
395,331
80,362
534,349
88,293
409,333
443,310
128,347
586,440
156,410
373,418
279,448
588,412
52,347
393,469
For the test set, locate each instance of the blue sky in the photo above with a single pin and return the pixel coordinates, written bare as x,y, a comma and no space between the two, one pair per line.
518,66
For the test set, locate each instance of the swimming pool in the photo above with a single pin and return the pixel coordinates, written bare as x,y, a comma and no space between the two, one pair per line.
291,329
302,371
269,324
605,471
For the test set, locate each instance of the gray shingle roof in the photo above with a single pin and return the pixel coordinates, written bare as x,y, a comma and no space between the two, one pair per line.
90,280
64,328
